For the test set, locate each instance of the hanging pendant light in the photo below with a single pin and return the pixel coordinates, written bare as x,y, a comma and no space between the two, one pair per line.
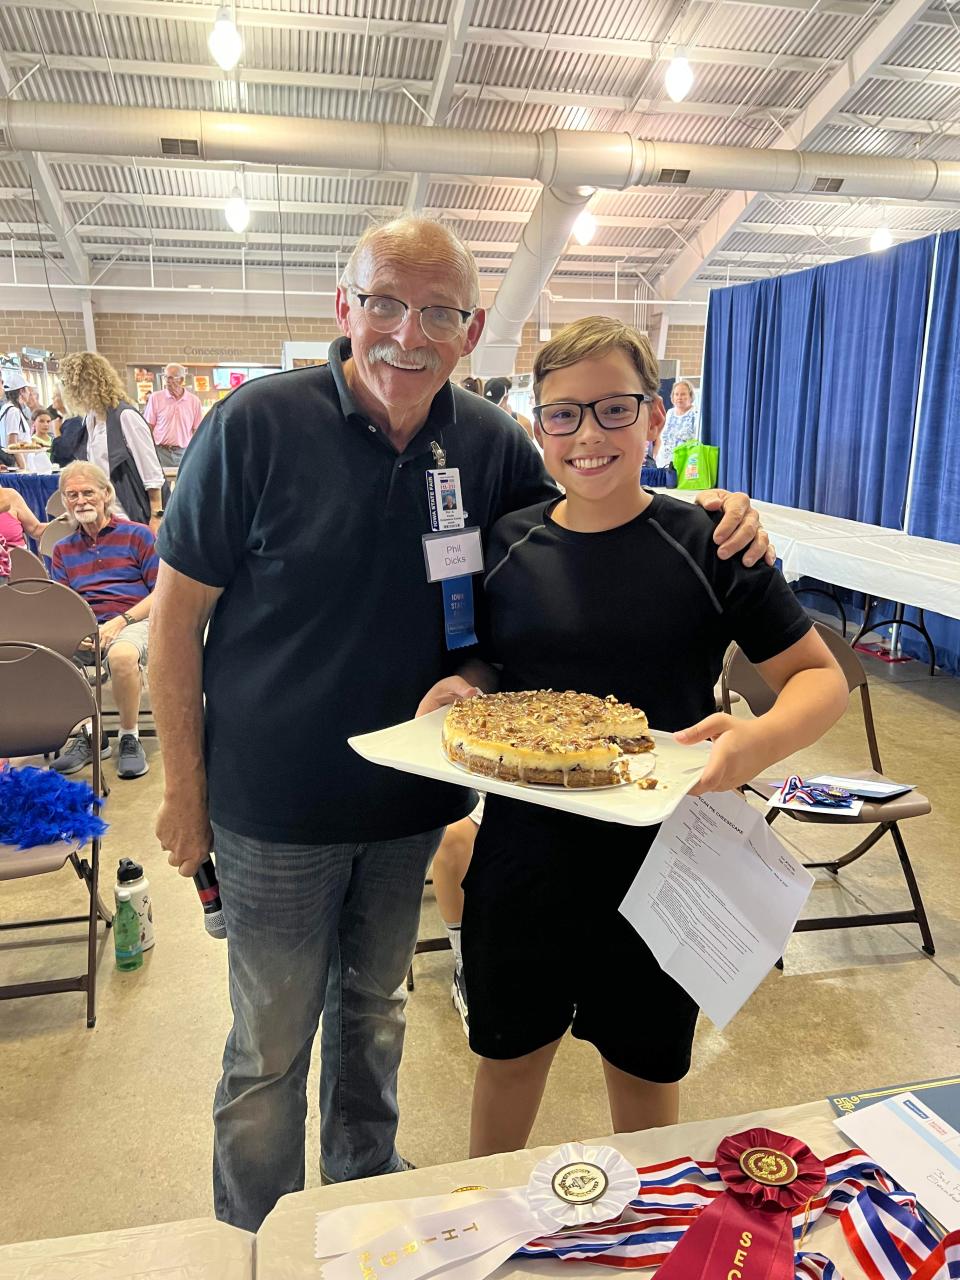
678,80
225,41
881,239
237,211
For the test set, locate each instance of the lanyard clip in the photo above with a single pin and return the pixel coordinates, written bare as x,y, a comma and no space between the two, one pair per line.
439,456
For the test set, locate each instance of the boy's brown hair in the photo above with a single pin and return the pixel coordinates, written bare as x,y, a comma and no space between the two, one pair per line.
594,336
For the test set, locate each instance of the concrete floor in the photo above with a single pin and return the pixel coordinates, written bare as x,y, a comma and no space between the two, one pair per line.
111,1127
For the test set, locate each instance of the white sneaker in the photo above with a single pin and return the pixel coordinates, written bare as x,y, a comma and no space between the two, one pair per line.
458,993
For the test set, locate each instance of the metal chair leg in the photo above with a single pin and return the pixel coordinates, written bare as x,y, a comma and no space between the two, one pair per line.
914,888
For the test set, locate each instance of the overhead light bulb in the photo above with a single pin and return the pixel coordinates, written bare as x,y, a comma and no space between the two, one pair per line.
225,41
678,80
237,211
585,227
881,239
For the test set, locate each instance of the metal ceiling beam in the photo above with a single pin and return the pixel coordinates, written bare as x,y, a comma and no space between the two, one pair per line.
330,24
226,240
165,201
49,200
804,230
443,88
861,62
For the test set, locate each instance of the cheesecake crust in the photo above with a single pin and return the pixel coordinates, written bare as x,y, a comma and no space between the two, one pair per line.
546,738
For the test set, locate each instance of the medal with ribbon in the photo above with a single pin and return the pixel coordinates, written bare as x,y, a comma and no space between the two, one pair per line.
748,1231
574,1186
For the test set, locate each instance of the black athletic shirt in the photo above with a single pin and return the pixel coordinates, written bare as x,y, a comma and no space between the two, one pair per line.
303,512
645,611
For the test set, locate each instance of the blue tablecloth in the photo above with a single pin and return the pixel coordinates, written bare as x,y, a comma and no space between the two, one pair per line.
35,489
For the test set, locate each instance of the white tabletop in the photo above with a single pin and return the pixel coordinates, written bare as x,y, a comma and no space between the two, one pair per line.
285,1242
884,563
200,1249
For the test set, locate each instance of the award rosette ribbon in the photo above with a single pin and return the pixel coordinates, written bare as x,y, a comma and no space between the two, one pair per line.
470,1237
747,1233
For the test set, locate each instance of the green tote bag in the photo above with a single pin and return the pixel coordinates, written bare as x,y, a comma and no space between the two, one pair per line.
697,465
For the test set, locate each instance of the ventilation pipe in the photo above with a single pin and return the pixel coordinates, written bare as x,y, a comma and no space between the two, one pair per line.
542,243
564,162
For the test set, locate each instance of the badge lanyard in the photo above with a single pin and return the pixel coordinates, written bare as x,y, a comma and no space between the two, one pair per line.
452,552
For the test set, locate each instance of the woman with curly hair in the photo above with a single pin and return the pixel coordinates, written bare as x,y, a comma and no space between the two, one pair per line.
114,436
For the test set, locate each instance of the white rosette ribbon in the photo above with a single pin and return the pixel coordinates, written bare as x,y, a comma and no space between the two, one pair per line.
579,1185
468,1237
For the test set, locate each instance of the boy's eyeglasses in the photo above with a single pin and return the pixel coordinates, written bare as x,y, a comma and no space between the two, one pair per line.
386,315
564,417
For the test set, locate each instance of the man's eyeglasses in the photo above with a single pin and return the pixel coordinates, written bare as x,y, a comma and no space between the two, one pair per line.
386,315
564,417
86,495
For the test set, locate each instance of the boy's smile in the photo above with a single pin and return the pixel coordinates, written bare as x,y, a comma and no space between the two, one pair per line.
599,468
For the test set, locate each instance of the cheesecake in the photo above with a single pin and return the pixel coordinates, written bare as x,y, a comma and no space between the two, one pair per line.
546,738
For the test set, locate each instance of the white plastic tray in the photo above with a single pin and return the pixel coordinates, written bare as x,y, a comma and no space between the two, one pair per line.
414,747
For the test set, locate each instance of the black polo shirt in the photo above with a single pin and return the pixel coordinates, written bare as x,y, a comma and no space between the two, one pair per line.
304,513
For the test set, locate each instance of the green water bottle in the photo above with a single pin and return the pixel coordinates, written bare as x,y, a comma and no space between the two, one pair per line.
126,933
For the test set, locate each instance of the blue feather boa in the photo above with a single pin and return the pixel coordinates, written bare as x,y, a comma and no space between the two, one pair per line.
38,806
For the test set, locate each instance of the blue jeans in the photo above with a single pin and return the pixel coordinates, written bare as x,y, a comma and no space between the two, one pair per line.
312,929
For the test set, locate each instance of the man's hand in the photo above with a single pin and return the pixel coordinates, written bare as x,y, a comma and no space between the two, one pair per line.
445,693
109,632
739,528
183,829
739,752
153,524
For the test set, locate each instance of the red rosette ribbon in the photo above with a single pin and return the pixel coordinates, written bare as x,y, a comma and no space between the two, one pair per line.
733,1161
747,1232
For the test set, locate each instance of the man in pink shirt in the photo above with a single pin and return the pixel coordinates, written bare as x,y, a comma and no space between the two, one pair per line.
174,414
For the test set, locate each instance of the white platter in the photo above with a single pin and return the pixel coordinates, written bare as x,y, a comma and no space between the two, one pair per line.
414,747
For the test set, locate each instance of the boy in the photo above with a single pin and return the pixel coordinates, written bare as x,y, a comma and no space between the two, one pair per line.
610,589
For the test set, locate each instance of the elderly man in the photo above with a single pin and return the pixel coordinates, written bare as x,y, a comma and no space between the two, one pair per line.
113,564
321,627
174,414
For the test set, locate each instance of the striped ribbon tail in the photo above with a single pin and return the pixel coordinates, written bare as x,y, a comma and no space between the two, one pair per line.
889,1240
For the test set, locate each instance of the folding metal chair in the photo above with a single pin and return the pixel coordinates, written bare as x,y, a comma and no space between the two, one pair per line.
44,697
24,564
58,529
55,505
741,675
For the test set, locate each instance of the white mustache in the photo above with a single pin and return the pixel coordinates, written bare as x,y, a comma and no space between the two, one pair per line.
390,353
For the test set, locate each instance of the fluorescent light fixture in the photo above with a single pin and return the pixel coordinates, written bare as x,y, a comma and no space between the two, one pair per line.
237,212
225,41
678,80
881,239
585,227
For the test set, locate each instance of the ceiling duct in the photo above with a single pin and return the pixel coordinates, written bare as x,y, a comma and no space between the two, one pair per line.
567,163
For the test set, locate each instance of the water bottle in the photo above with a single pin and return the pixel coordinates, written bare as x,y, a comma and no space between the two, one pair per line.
126,933
130,876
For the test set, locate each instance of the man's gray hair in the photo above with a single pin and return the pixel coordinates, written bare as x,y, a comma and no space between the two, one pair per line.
96,474
402,236
177,370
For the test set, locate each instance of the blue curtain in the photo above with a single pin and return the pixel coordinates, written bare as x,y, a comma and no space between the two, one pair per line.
810,382
935,502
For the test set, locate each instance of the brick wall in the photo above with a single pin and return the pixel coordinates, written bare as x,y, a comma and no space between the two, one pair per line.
685,343
40,329
127,339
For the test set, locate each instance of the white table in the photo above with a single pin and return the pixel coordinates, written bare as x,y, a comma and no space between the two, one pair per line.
885,564
200,1249
285,1248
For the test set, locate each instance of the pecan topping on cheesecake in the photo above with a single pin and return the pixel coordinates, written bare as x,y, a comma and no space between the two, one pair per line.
556,739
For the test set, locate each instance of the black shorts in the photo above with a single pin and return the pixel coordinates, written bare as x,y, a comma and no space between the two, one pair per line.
545,947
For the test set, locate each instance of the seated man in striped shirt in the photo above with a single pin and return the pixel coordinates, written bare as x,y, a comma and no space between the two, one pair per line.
112,563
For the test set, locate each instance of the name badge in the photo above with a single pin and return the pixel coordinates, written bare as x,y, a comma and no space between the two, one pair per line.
454,554
446,499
